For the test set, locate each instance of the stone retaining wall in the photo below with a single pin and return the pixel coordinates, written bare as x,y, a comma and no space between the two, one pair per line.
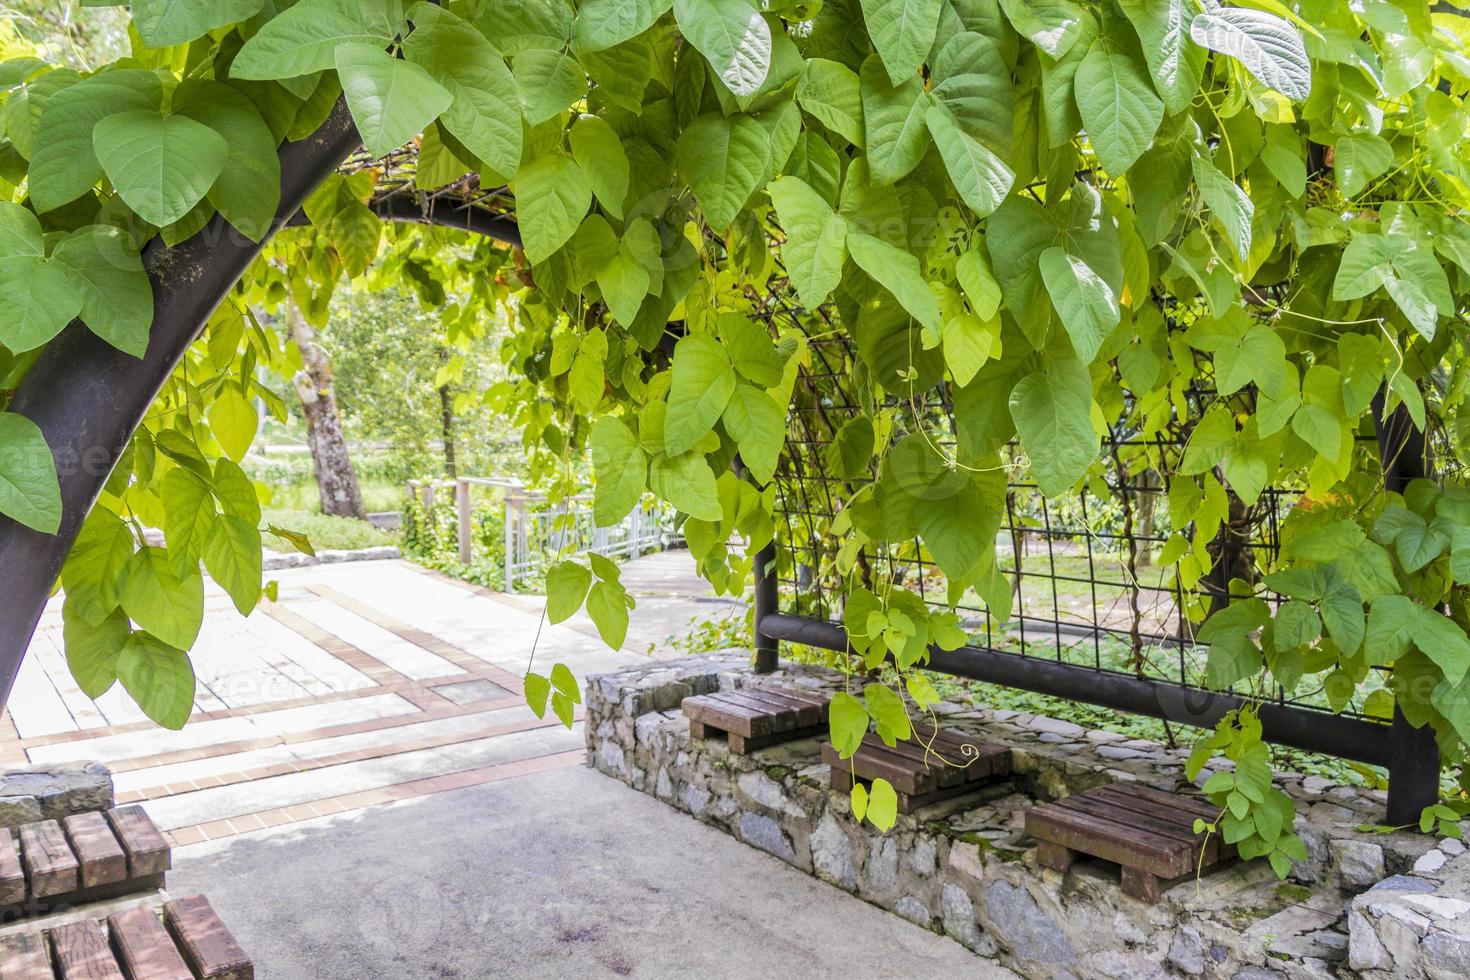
52,792
1363,904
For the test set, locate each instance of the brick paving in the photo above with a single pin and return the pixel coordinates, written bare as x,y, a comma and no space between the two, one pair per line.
280,695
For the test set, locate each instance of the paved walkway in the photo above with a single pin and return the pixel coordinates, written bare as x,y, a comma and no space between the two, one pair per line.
365,683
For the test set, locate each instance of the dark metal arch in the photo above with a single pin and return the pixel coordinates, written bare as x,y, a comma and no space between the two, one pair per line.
87,397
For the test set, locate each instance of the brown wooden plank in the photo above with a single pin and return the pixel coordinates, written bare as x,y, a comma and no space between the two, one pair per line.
148,853
768,718
810,711
207,945
1110,840
81,952
51,867
936,766
144,947
787,715
741,745
1147,823
102,858
23,957
1196,806
1141,885
719,711
12,875
867,764
1180,821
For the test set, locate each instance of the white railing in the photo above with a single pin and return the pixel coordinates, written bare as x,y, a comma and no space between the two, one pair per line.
537,532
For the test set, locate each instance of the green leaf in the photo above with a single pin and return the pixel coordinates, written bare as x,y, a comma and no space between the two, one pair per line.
894,117
758,426
887,710
687,482
980,176
1297,624
552,196
968,343
29,491
1051,25
303,38
550,81
703,381
607,604
1390,628
1359,160
858,797
39,301
234,423
898,272
599,152
92,652
1118,104
723,159
103,267
1175,62
164,23
816,239
188,517
1052,409
537,689
158,677
751,350
392,100
622,470
232,556
1228,202
485,112
851,449
1285,157
902,31
169,606
882,809
1442,640
567,583
733,36
624,282
64,165
830,93
848,721
161,165
601,24
972,269
565,682
248,189
1086,305
92,575
1269,47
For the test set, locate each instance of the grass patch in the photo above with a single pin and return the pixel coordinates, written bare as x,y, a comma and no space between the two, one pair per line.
325,533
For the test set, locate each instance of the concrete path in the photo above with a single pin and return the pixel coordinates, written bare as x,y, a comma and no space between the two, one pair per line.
564,874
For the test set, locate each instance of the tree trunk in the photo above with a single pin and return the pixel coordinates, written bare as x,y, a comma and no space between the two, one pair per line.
446,422
336,480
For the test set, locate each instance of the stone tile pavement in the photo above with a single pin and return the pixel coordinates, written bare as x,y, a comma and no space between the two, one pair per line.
364,684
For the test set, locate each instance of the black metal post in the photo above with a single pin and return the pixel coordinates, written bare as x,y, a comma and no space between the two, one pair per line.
767,601
1413,765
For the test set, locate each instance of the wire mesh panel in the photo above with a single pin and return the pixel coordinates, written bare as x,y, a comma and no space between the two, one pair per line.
1105,579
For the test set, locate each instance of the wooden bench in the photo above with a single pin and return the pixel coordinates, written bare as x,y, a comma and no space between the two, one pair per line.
931,766
189,942
754,718
81,858
1148,833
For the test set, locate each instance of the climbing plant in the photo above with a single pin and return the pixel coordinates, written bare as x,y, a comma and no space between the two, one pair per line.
1069,217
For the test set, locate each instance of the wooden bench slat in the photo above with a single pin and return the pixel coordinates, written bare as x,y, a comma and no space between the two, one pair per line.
208,946
765,718
798,713
722,712
12,875
1195,805
51,867
753,718
102,858
23,957
144,947
811,710
1181,819
1110,840
82,953
874,762
148,853
1150,823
